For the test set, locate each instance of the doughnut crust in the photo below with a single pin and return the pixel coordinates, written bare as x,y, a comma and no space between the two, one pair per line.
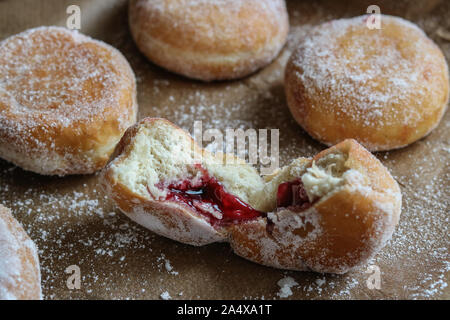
209,40
20,276
65,101
349,208
385,87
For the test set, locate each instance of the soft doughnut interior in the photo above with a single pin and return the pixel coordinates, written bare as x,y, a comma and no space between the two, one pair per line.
163,163
303,185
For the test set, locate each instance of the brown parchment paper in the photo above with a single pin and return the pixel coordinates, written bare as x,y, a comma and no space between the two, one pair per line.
73,223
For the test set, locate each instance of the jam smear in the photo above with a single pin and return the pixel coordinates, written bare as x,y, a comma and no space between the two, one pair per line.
292,195
209,198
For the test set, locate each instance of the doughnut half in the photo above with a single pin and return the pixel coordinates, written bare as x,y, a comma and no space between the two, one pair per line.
20,276
155,153
347,223
209,40
330,213
385,87
65,101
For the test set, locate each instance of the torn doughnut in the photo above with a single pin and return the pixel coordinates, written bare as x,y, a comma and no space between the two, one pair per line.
340,209
209,40
65,101
330,213
20,277
159,169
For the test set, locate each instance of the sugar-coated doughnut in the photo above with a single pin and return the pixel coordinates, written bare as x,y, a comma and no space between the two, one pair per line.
330,213
209,40
20,276
385,87
65,101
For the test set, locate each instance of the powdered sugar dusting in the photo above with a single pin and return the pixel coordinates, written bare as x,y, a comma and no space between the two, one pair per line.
324,71
48,71
413,265
56,87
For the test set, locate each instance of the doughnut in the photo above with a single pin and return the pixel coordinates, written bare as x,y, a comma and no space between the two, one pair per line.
385,88
65,101
20,277
209,40
330,213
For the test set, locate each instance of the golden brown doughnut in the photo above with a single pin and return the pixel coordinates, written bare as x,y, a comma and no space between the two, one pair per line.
385,87
20,276
65,101
330,213
209,40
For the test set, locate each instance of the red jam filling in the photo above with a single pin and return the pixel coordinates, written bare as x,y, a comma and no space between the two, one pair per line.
209,198
292,195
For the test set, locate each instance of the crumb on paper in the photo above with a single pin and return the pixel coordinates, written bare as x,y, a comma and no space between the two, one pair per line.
286,284
320,282
165,296
162,260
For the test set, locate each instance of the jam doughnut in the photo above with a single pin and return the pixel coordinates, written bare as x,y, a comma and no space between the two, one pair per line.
65,101
330,213
20,276
385,87
209,40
